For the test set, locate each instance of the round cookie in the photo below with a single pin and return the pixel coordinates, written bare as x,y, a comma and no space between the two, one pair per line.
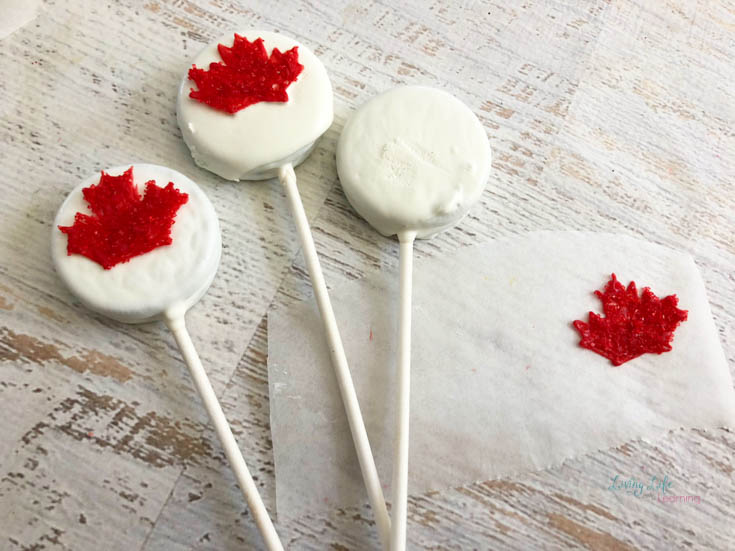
252,143
413,159
168,279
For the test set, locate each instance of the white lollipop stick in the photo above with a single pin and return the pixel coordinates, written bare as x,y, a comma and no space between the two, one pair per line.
176,323
287,177
400,457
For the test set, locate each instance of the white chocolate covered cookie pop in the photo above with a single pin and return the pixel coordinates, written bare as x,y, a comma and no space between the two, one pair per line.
148,285
255,141
143,243
412,161
251,108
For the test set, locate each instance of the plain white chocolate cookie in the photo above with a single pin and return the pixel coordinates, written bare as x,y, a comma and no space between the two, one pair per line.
413,159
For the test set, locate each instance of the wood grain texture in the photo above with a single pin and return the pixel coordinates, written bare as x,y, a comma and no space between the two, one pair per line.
610,116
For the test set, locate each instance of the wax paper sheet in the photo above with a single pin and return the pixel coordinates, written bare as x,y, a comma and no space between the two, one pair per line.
499,384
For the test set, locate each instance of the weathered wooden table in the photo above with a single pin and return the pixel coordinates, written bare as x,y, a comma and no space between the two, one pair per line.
603,115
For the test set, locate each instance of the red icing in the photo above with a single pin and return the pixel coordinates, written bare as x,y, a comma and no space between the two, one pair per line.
633,324
122,225
246,75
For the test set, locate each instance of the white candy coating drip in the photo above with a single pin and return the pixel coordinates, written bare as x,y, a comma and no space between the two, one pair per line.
167,279
252,143
413,159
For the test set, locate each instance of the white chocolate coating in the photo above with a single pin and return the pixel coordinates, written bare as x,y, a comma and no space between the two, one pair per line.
413,159
254,142
166,280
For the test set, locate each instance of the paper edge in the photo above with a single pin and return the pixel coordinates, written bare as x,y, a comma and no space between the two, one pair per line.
33,7
510,476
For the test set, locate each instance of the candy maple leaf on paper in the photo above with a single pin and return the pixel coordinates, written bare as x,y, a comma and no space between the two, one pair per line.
122,225
633,324
246,75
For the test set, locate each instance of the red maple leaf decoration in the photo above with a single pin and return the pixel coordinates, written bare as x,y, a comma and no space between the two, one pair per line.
246,75
633,324
122,225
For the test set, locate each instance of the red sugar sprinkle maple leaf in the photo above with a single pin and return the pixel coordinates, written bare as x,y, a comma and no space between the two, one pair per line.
633,325
122,225
246,75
